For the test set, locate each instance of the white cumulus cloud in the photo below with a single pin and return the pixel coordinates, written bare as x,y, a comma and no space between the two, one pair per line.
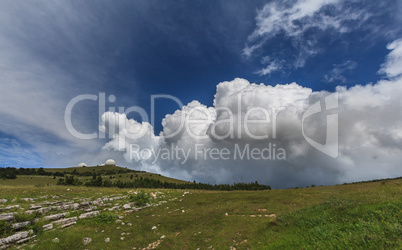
393,63
370,135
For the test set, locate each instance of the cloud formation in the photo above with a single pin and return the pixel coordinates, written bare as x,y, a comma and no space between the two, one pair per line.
392,67
51,53
337,73
300,26
370,135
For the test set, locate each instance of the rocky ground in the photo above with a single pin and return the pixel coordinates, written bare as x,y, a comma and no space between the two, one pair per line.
55,213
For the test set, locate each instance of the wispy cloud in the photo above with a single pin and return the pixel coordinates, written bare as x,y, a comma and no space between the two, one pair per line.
303,23
47,58
337,73
13,154
271,66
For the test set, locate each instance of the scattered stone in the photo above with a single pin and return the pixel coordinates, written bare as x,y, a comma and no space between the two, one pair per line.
121,217
154,245
85,204
115,198
7,216
117,228
66,221
14,238
226,214
103,231
55,216
56,240
183,211
34,207
163,236
90,209
129,224
28,199
48,227
118,221
11,207
31,211
44,210
3,200
86,241
126,206
18,226
153,228
114,208
73,206
89,215
123,223
25,240
122,238
68,224
107,240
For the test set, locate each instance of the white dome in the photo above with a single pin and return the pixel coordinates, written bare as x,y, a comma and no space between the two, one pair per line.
110,162
82,165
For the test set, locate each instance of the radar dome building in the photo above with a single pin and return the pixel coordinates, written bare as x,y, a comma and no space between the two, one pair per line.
82,165
110,162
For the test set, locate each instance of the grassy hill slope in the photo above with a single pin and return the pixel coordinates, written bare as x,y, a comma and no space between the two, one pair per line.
122,174
117,169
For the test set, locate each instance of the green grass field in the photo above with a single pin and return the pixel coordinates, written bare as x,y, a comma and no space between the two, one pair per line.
363,215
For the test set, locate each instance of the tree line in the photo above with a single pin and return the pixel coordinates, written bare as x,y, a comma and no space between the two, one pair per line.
141,182
70,178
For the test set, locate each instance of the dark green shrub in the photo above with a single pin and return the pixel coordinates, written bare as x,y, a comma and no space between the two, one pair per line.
5,228
106,218
140,199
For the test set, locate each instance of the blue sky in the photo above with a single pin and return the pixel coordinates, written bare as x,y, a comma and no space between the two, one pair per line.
53,51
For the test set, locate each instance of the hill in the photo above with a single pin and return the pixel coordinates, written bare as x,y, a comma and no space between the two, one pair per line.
44,176
115,171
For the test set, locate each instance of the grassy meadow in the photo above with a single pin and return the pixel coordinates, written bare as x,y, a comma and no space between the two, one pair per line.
362,215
